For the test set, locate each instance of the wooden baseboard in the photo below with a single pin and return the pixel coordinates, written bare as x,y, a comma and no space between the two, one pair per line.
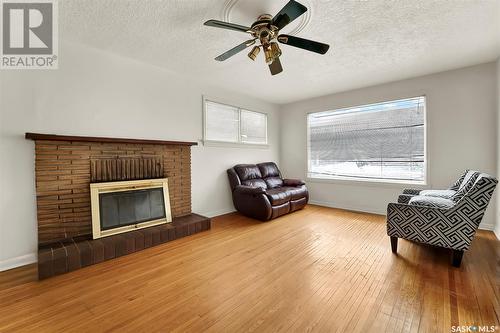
219,212
15,262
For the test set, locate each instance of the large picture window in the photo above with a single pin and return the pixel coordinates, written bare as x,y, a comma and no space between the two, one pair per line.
230,124
383,141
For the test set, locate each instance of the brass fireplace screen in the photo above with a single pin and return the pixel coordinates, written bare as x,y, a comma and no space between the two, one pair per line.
119,207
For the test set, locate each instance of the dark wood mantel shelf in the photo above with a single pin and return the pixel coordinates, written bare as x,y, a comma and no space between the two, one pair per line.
54,137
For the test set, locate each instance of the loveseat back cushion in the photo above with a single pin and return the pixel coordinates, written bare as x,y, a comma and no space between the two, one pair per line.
431,202
269,169
247,172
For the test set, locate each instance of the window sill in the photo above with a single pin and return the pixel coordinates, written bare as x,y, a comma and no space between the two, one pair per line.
210,143
369,182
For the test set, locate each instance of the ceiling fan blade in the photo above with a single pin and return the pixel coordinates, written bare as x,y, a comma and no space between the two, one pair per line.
275,67
305,44
226,25
234,50
287,14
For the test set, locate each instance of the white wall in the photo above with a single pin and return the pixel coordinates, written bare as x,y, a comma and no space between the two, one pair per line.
497,226
461,132
99,94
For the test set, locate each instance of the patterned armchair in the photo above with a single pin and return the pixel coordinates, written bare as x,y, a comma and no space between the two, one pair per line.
449,222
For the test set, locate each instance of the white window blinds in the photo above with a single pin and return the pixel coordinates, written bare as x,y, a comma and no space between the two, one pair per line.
253,127
221,122
226,123
383,141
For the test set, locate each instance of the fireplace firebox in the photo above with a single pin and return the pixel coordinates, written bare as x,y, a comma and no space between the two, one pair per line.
119,207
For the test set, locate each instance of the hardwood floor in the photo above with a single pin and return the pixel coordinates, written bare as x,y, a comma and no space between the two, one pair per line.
319,269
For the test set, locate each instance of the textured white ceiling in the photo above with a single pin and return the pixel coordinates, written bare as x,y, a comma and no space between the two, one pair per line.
372,41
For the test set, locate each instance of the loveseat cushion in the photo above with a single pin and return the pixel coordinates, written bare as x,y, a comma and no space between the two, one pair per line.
247,171
273,182
255,183
278,196
269,169
431,202
296,192
447,194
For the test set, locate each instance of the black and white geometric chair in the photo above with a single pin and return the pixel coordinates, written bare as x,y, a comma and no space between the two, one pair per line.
447,222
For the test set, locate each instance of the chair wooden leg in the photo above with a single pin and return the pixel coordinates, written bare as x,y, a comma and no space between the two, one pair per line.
394,244
457,257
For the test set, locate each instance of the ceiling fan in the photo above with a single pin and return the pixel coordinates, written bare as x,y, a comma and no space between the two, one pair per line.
266,30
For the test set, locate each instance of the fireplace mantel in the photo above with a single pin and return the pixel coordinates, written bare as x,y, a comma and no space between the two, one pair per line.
54,137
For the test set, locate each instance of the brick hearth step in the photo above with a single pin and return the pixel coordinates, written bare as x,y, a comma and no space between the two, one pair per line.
74,253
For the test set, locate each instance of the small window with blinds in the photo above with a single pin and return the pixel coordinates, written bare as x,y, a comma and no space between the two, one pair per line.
231,124
382,142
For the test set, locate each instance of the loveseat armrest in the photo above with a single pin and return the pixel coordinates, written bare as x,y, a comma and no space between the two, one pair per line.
243,189
293,182
411,191
252,202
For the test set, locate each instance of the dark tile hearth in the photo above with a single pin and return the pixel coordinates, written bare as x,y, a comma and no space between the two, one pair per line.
74,253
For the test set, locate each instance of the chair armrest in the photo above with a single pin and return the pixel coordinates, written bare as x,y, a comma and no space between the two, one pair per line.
429,225
411,191
293,182
243,189
405,198
393,209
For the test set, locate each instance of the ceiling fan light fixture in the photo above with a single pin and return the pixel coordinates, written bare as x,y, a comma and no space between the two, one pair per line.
254,53
268,52
275,49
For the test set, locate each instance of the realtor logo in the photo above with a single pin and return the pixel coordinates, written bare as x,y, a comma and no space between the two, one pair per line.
29,34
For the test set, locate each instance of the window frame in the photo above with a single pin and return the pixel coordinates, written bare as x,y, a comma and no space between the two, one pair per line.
370,181
235,144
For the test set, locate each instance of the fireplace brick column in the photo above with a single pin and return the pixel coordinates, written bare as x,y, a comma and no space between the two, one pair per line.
63,174
64,168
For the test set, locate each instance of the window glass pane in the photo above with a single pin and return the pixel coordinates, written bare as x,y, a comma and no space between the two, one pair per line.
381,141
221,122
253,127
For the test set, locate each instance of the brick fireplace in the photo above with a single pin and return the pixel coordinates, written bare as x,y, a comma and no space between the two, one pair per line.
65,166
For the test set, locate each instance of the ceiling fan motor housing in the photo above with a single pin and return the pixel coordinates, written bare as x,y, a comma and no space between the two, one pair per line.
267,17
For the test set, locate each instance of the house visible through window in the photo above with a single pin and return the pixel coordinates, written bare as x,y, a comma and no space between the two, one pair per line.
231,124
383,141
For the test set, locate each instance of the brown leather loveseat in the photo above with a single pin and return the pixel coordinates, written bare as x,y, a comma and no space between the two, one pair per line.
260,192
